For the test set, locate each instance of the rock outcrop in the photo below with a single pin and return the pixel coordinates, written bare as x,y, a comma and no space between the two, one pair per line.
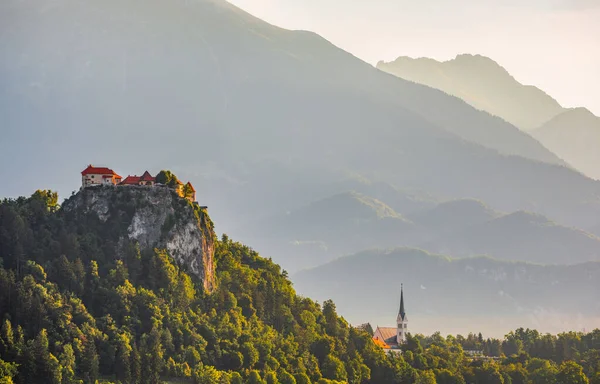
153,217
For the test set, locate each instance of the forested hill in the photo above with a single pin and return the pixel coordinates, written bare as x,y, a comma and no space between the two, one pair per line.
80,301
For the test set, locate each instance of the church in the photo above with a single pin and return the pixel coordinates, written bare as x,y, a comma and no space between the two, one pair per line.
392,337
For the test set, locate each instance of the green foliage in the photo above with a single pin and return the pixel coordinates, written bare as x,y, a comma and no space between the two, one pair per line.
571,373
167,177
73,310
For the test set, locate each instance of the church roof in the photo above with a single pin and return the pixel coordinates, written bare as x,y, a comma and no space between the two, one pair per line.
388,334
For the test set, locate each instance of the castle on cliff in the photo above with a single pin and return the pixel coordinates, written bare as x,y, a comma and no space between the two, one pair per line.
96,176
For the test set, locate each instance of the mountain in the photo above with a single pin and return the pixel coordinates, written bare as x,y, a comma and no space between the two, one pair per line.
258,118
348,222
496,294
450,215
327,228
521,236
574,136
482,83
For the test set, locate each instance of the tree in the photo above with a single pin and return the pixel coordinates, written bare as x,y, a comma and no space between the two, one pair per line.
206,374
7,339
426,377
302,378
167,177
254,378
90,364
47,198
7,372
333,368
123,359
570,372
512,345
271,378
286,378
67,361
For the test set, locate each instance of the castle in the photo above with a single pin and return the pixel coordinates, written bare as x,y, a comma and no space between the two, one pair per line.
391,338
95,176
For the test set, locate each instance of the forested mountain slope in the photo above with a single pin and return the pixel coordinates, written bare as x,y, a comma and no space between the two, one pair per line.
82,299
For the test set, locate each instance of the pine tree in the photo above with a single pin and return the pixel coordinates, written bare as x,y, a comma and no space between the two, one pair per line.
90,364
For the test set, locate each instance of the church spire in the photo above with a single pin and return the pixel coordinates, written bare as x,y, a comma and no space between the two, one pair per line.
401,311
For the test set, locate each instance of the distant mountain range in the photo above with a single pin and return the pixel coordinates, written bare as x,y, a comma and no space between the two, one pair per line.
365,287
572,134
481,82
346,222
520,236
298,148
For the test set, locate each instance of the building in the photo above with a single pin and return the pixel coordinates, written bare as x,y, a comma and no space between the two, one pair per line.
190,192
145,179
99,176
131,180
392,337
92,176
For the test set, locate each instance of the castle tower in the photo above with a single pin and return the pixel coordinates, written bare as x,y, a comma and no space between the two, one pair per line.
401,320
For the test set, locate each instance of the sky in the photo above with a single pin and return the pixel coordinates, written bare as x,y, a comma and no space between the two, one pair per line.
552,44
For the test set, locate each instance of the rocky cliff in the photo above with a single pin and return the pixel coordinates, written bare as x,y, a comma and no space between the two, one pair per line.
153,217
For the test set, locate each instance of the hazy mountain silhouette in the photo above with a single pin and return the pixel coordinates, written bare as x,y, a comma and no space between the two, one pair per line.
481,82
325,229
574,135
365,287
450,215
349,222
257,117
520,236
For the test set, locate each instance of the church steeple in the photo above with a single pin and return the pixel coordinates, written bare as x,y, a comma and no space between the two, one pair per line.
401,312
401,320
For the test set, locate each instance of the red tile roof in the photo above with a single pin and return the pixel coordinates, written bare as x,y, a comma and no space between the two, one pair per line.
147,177
131,180
189,185
91,170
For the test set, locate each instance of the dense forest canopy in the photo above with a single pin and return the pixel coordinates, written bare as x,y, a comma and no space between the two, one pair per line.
72,310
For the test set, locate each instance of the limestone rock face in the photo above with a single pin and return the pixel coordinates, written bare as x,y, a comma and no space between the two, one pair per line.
154,217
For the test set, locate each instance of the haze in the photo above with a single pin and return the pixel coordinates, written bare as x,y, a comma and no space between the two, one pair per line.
552,44
320,161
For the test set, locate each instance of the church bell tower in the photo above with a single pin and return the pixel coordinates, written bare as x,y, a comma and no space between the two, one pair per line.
401,320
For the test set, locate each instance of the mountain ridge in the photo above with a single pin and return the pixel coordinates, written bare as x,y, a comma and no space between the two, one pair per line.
471,77
574,136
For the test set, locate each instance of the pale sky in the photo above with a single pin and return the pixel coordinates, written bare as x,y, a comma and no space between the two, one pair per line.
552,44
